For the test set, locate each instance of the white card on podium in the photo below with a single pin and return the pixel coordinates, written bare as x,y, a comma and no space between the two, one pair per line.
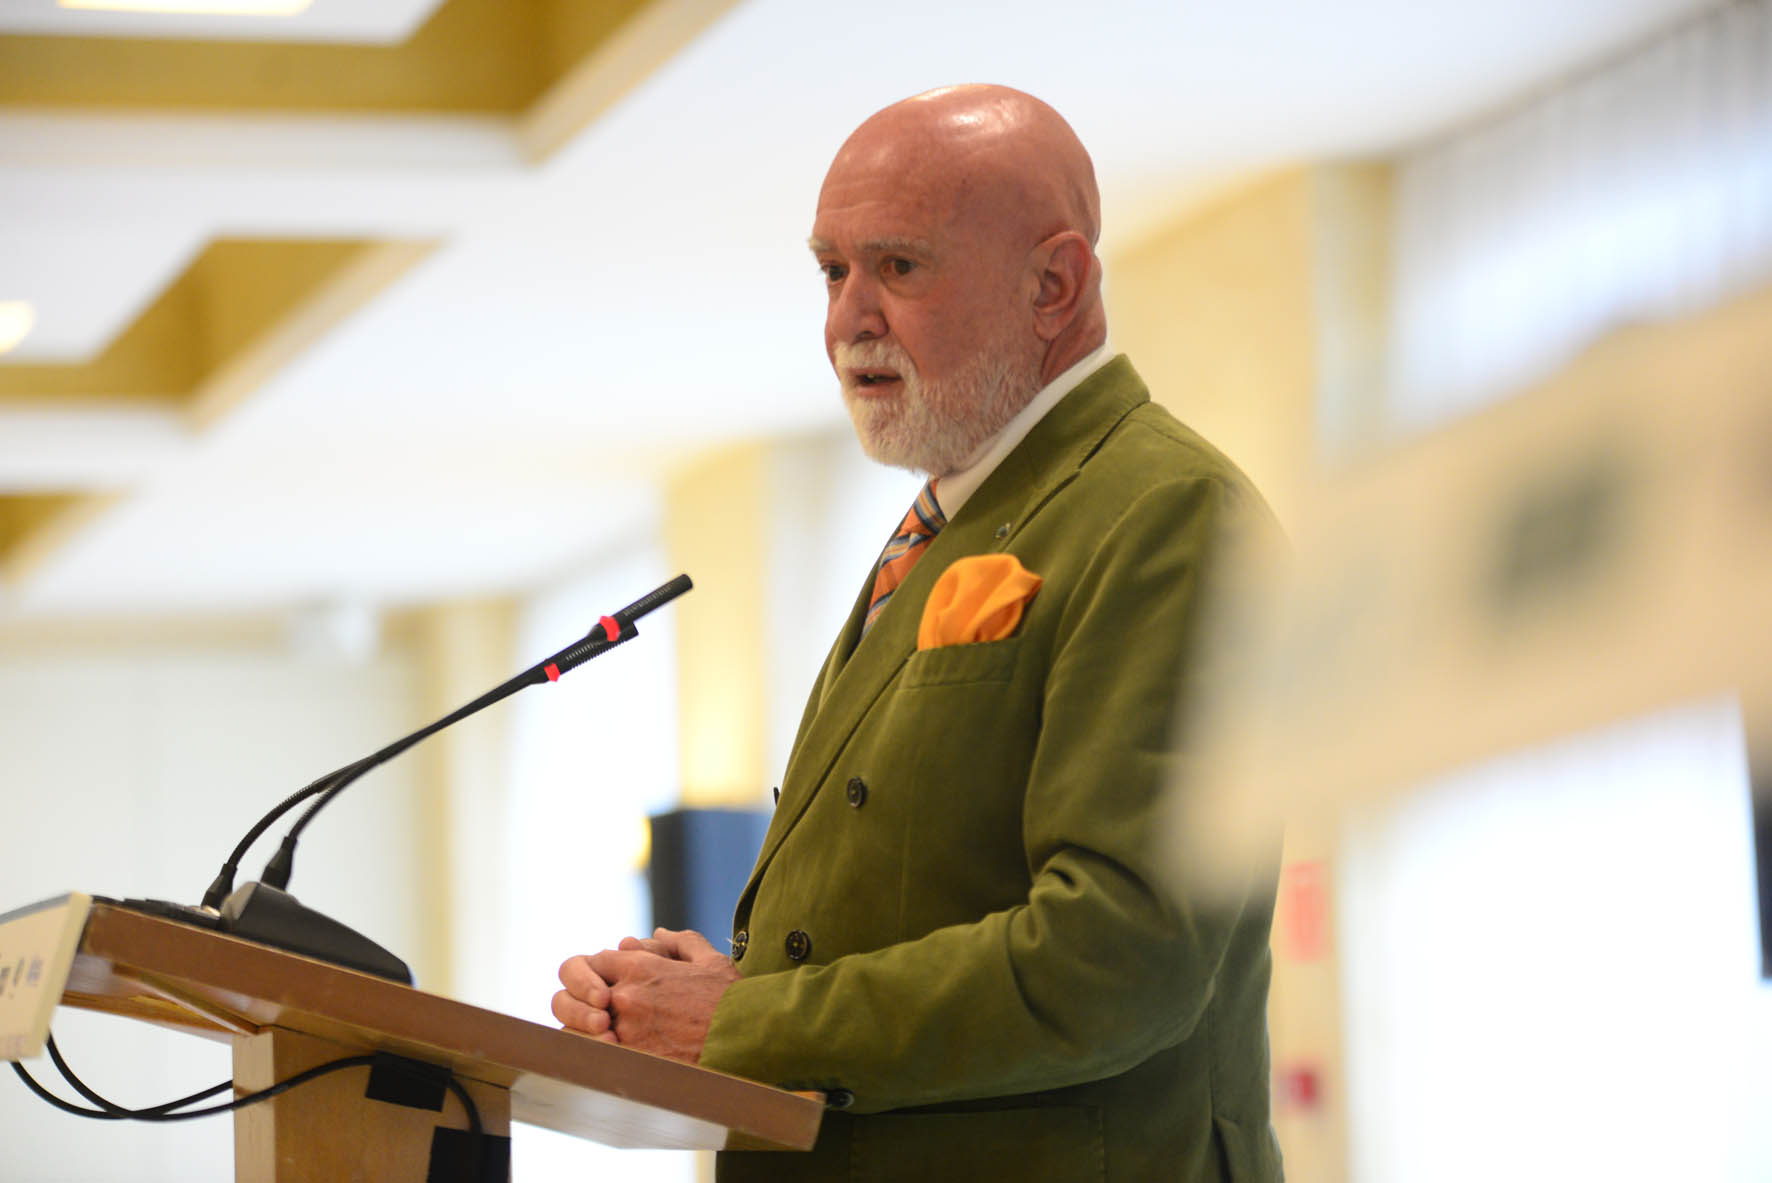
37,946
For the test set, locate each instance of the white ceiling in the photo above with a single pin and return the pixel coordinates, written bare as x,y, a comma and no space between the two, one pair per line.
506,408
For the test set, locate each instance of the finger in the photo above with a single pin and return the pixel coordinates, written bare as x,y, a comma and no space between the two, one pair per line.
644,945
584,982
603,1037
687,945
578,1016
612,965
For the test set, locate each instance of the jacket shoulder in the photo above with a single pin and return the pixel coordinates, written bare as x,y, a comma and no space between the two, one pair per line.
1149,450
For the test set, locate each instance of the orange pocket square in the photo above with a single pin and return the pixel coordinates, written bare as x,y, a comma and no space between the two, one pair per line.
976,599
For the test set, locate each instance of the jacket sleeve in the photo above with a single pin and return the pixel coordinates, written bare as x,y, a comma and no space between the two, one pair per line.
1102,965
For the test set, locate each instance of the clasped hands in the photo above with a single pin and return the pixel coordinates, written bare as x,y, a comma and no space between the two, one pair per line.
656,994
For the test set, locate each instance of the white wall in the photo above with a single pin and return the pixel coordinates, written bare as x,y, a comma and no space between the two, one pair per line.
1552,967
591,757
127,771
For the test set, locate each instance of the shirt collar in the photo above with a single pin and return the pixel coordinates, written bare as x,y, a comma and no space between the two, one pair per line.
952,490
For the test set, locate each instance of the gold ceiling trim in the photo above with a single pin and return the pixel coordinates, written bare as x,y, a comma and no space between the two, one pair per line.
471,56
242,310
552,66
610,65
34,526
257,350
241,307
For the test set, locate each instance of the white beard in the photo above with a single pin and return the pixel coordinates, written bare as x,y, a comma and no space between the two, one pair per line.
935,427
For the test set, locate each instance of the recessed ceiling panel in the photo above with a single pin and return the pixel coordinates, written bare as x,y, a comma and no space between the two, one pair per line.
88,280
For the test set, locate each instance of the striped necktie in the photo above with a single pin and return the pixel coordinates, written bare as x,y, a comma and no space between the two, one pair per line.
901,554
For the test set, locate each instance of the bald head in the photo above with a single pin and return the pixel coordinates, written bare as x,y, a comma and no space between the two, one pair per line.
992,152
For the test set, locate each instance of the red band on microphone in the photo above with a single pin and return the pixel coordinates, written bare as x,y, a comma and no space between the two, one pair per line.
552,671
611,629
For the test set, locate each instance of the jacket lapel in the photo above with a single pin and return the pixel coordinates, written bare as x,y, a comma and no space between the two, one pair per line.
856,674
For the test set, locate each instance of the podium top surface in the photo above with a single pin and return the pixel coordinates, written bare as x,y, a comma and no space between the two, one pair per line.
220,986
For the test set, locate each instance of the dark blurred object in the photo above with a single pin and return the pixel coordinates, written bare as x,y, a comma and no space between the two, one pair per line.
1759,776
701,859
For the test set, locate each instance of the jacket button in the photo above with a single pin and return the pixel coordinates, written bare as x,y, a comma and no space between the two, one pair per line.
858,791
799,946
838,1098
740,940
777,793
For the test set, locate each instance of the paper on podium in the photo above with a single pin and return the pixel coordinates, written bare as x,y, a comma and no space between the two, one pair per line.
37,946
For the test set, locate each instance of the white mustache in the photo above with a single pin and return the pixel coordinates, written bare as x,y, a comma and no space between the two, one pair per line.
877,354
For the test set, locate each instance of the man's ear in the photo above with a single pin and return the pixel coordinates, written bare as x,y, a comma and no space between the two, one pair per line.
1064,265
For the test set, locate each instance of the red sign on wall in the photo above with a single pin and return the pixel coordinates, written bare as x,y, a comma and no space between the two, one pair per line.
1303,919
1298,1088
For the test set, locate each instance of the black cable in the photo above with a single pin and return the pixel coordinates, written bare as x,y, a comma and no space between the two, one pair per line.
467,1103
111,1111
164,1112
224,881
120,1111
475,1130
64,1106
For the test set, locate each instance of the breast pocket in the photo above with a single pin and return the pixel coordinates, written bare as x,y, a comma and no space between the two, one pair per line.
956,665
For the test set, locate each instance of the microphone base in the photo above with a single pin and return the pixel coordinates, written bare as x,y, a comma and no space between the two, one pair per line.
255,912
167,910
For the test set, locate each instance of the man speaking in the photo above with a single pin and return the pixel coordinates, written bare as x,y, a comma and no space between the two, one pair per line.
955,927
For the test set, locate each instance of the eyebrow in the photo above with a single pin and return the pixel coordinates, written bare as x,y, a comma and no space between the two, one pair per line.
891,245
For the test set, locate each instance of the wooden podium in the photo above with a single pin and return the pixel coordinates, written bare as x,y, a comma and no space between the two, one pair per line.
284,1013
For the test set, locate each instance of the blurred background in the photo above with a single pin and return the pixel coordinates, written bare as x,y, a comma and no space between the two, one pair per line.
356,354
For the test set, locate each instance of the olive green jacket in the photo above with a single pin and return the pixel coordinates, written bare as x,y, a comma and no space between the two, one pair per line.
955,926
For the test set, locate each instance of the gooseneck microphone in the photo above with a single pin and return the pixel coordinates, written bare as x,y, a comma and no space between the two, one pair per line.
263,911
609,632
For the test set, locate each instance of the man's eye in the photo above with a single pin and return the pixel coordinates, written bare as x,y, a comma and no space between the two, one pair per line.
900,266
833,272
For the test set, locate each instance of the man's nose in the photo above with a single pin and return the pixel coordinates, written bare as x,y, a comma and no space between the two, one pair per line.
855,313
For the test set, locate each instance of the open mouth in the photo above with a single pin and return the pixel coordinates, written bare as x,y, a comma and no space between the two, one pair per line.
866,378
